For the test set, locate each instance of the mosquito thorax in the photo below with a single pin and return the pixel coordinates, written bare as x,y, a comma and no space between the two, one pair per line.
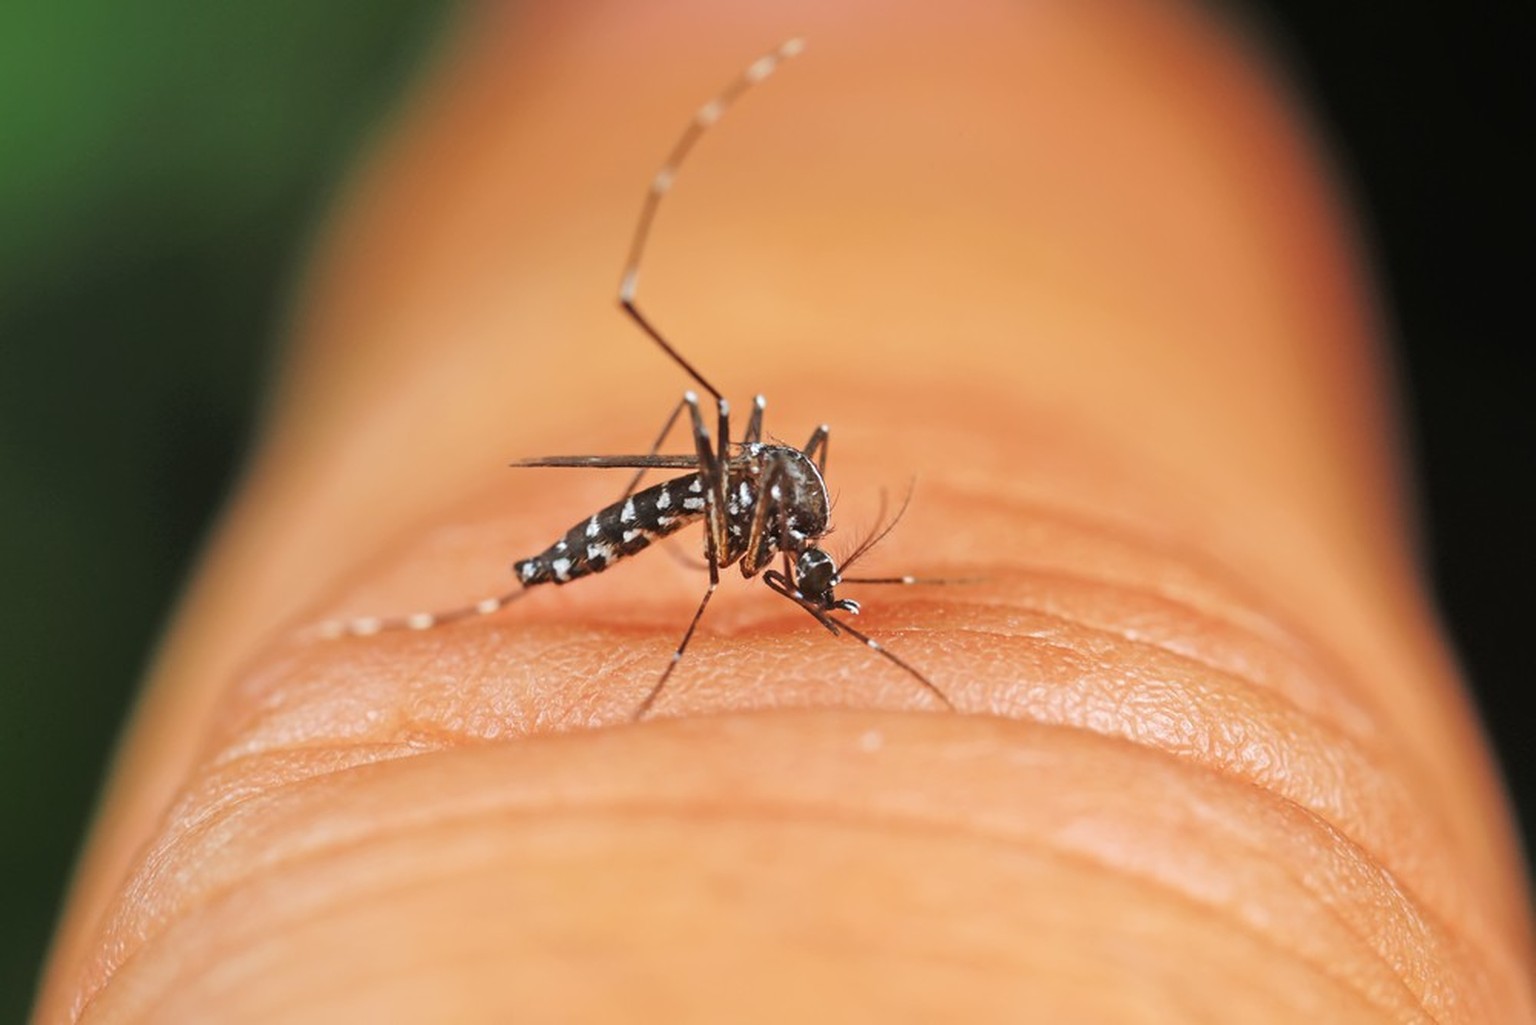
798,489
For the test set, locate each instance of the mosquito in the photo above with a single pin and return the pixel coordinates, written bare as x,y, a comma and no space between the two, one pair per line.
760,502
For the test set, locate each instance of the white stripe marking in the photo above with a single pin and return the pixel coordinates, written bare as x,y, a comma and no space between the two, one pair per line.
664,499
762,68
561,568
627,514
592,527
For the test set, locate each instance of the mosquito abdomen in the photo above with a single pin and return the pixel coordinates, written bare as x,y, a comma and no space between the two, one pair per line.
620,530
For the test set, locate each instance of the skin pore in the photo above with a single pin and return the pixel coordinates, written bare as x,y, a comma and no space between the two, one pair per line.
1078,269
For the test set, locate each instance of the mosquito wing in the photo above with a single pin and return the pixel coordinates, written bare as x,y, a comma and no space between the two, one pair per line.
615,462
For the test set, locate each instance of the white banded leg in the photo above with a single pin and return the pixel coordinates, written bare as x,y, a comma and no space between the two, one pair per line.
704,119
367,626
754,431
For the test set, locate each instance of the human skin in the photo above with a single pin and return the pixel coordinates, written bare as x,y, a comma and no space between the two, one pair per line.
1078,269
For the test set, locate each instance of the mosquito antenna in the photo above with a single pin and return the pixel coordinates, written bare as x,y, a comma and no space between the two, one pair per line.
704,119
879,533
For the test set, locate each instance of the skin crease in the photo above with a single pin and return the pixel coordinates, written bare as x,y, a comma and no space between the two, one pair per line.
1078,269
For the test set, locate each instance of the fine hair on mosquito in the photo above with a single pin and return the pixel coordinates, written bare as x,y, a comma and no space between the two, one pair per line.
760,502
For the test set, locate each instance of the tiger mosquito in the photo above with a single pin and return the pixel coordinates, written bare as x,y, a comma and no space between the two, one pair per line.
758,500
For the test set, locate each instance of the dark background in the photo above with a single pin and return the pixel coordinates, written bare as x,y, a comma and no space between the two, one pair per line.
163,165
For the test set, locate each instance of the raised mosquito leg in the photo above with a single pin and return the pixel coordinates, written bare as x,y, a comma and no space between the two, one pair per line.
661,184
754,431
661,439
816,448
781,585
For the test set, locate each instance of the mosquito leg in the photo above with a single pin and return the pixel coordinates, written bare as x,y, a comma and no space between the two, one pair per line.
723,422
710,470
754,432
722,498
712,474
626,300
759,523
367,626
683,559
661,184
777,582
877,648
816,448
782,584
661,439
682,646
789,568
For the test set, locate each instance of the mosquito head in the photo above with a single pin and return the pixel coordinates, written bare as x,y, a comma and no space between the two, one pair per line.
816,576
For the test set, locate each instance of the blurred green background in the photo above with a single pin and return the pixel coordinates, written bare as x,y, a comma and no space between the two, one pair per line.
163,164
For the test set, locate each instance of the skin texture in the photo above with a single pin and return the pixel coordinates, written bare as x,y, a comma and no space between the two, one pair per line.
1078,269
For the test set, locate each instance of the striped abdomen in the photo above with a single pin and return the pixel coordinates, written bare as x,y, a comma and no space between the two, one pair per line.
622,529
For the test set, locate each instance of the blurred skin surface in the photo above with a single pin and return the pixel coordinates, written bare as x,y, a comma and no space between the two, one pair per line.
1079,270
